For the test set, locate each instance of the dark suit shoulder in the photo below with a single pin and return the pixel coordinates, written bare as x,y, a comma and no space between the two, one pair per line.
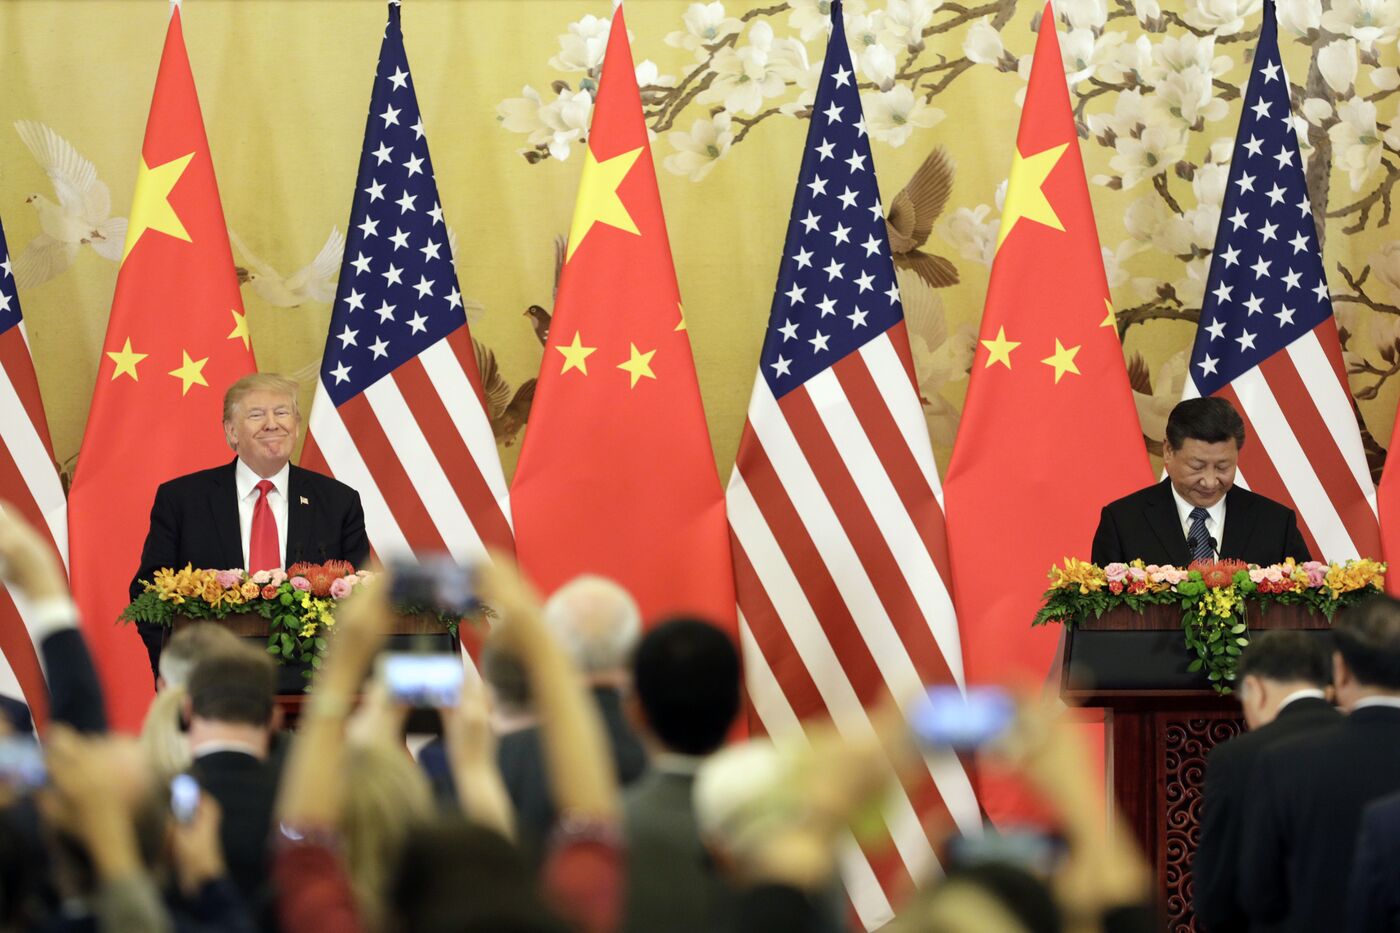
320,482
197,481
1147,495
1238,496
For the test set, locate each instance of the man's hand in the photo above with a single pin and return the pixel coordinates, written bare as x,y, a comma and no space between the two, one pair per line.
198,854
27,563
95,786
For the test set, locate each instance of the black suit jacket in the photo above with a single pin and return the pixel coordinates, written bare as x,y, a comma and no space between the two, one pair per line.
1229,781
1146,525
1374,902
194,520
246,789
671,883
520,756
1301,822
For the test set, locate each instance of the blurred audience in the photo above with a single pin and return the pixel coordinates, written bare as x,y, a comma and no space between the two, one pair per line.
685,677
1282,681
343,832
1303,813
597,624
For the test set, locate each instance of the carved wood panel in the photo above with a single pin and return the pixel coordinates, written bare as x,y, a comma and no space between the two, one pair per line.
1185,742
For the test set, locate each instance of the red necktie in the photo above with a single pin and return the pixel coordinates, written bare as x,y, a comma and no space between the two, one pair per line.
263,552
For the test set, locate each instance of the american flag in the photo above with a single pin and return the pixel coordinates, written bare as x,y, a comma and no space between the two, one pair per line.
399,413
1267,340
28,481
834,503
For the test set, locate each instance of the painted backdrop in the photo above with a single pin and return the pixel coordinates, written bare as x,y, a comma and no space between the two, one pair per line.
506,92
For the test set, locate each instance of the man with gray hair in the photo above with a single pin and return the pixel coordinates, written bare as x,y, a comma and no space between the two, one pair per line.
257,512
598,623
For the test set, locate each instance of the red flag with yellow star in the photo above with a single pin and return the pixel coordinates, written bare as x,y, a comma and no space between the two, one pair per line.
616,473
1049,432
176,338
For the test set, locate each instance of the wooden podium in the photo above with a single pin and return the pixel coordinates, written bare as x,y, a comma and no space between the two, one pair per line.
1160,721
408,633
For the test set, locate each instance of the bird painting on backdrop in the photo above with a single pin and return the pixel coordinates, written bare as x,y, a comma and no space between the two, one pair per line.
312,282
81,217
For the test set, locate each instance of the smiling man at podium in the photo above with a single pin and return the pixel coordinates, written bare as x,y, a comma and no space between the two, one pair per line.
257,512
1197,512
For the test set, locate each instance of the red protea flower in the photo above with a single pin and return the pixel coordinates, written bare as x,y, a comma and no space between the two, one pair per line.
320,579
339,568
300,568
1218,574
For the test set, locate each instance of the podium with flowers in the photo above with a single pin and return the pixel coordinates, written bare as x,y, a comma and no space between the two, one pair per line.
289,612
1155,649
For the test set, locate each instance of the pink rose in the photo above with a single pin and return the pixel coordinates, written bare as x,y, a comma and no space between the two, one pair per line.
301,583
1316,574
277,577
1116,573
340,588
228,578
353,580
1137,574
262,577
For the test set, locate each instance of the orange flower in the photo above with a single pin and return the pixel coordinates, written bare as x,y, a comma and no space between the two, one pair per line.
1218,574
250,589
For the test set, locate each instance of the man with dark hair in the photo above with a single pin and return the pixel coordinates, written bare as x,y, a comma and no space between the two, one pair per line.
1304,812
1198,512
685,681
231,709
1281,681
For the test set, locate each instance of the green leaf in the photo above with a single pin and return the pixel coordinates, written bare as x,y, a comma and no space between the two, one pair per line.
1239,629
1195,666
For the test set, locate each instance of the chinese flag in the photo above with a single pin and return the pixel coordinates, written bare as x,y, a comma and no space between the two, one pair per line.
616,474
1388,506
1049,432
175,340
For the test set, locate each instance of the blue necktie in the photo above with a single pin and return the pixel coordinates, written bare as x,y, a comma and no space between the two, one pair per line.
1198,538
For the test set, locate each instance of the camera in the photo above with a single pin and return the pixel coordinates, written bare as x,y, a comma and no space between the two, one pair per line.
421,679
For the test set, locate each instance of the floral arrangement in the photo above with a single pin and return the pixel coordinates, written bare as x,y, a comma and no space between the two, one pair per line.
1212,596
298,603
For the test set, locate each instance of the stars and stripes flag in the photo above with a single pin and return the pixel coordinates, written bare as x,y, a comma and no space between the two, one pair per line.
1267,340
834,503
28,483
399,414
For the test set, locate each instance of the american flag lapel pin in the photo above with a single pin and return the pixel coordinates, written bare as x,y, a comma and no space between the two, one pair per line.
304,500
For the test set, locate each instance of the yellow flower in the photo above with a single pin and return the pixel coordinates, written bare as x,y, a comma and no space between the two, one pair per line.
250,590
1078,574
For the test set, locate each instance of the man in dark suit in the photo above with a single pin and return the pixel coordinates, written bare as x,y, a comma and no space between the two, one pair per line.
1374,902
1282,679
230,708
258,512
1304,812
685,679
1197,512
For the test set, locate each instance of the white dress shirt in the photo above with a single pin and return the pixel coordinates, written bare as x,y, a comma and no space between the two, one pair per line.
1305,694
1391,701
246,482
1215,518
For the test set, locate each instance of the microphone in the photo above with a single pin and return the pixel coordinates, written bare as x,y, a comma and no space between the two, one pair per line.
1214,548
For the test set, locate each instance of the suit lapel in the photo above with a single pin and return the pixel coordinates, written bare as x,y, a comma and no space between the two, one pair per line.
1239,523
299,532
1166,524
223,503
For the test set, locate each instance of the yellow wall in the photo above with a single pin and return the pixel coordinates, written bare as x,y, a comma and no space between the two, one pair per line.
285,84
